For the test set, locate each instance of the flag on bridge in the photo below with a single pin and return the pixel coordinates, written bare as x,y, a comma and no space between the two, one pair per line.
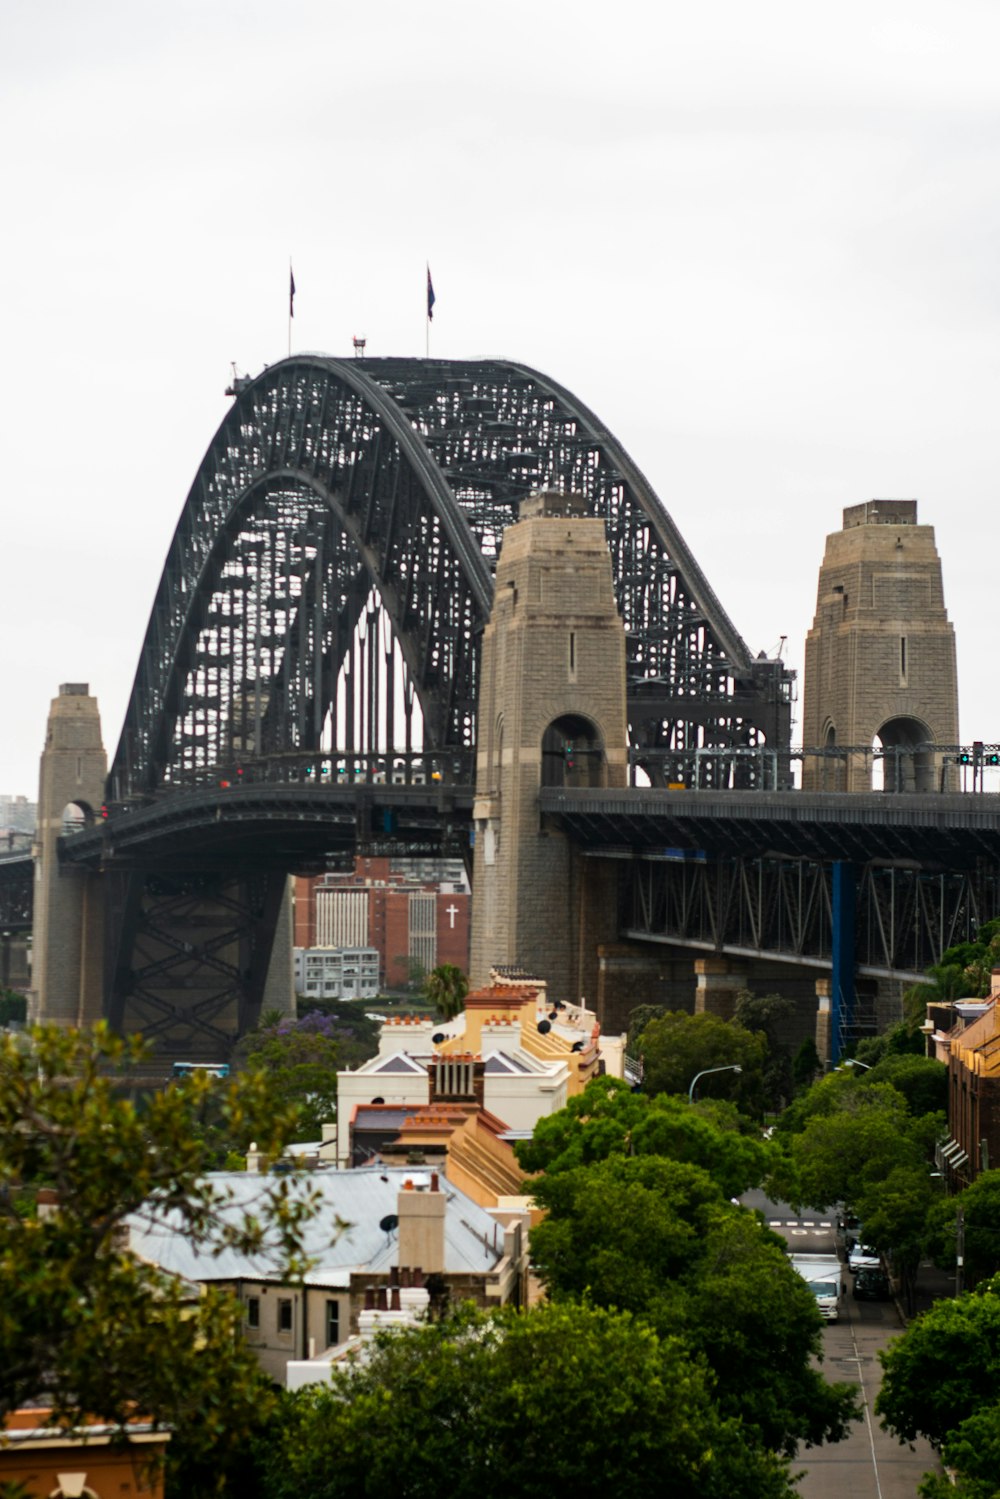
291,290
431,299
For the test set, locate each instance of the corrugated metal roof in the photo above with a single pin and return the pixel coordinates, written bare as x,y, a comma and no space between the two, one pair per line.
343,1235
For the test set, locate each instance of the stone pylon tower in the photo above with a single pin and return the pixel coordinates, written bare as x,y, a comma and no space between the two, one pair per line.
67,948
880,657
552,713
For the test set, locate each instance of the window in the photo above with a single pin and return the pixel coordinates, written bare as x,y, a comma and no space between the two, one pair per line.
284,1314
253,1311
332,1323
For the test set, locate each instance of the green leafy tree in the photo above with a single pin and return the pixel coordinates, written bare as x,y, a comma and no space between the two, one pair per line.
676,1047
770,1016
445,989
658,1238
895,1213
84,1325
299,1059
923,1081
13,1006
558,1400
844,1155
971,1454
903,1039
806,1065
980,1204
639,1018
355,1033
944,1369
607,1118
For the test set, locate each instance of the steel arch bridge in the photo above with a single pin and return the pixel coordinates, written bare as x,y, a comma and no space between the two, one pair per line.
333,567
317,624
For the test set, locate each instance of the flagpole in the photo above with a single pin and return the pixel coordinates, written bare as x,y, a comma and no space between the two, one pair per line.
431,299
291,303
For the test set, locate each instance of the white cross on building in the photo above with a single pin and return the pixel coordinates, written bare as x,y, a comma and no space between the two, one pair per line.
451,911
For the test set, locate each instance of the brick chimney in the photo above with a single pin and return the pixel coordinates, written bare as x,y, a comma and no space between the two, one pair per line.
421,1207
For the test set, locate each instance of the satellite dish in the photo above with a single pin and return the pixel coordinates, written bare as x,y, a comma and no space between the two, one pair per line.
544,1026
438,1037
379,1099
388,1223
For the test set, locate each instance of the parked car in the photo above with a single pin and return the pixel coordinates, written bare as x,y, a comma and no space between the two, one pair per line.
871,1285
863,1257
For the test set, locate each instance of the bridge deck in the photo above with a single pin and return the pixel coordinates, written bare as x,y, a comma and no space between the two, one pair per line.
949,831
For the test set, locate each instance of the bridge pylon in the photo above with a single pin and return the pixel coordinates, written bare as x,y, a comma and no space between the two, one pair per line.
880,657
68,946
552,712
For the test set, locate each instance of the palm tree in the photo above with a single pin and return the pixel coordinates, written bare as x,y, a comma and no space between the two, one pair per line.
446,989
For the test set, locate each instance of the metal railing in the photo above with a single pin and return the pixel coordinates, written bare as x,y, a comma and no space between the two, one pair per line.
966,768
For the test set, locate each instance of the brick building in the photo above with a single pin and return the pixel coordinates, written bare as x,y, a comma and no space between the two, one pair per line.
416,919
972,1051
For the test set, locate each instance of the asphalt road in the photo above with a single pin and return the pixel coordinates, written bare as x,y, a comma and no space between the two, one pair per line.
869,1464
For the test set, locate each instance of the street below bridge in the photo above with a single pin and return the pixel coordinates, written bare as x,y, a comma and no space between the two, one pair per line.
870,1463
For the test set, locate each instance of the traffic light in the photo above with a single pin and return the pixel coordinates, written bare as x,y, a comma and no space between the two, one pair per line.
993,758
568,752
965,758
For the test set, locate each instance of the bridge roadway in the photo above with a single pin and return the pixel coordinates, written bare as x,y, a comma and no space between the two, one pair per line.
296,827
937,832
272,826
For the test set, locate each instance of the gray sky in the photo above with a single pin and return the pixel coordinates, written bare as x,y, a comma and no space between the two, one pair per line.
759,240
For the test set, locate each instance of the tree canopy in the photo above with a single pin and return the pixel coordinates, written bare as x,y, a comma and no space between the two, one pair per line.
84,1324
561,1399
607,1118
675,1047
299,1059
657,1237
944,1369
980,1206
841,1155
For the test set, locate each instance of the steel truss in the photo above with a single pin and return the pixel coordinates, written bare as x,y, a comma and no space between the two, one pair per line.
17,885
783,909
189,954
339,542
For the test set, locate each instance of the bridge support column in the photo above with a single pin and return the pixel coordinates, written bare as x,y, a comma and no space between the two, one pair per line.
845,896
68,946
718,982
279,987
823,1021
630,974
552,713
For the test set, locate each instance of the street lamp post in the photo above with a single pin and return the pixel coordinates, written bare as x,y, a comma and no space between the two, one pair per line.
853,1062
733,1067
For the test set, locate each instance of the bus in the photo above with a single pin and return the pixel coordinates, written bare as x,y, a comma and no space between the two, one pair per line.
188,1069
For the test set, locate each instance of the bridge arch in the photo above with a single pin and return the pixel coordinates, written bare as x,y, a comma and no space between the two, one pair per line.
340,490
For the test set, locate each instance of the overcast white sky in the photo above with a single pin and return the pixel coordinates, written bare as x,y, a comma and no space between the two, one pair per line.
759,240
